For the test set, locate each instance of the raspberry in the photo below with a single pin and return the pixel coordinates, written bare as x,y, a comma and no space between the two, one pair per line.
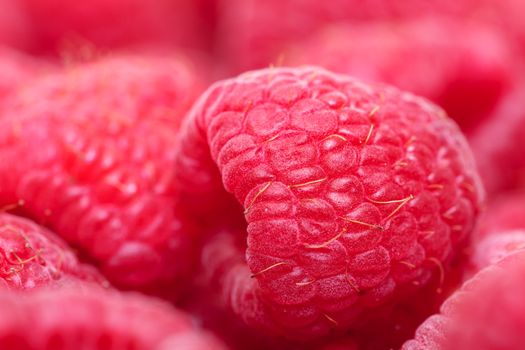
351,192
500,232
505,213
507,15
488,312
92,319
501,163
89,153
110,24
466,69
497,246
17,69
31,256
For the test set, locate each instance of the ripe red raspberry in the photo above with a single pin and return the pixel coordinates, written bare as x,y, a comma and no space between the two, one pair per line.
501,230
466,69
488,312
496,144
90,154
508,16
351,194
31,256
495,247
93,319
17,69
57,25
504,213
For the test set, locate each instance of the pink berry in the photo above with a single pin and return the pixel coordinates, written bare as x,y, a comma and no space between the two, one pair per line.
58,26
351,192
31,256
89,153
503,213
497,246
496,144
94,319
488,312
500,232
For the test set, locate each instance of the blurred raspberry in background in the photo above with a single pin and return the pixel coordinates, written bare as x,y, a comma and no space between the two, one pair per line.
53,25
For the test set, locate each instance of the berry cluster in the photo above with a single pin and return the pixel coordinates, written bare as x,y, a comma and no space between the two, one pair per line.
243,174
